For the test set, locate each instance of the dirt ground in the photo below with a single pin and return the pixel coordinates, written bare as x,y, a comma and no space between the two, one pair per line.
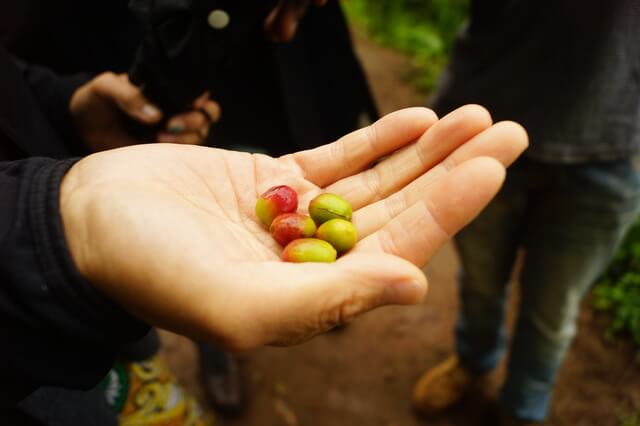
363,375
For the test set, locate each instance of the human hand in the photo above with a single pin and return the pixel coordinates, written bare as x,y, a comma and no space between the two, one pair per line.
169,231
97,110
282,22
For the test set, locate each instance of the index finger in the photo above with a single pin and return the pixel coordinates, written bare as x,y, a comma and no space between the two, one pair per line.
358,150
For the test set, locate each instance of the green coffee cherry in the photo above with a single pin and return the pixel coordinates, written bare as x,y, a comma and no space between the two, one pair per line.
340,233
329,206
309,250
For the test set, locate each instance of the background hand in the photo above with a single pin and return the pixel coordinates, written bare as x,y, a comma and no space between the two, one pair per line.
282,22
170,232
97,109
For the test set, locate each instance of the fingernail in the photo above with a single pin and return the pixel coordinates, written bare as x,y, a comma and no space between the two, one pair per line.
150,111
176,126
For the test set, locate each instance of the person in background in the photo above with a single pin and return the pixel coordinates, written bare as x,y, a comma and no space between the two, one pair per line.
300,94
568,71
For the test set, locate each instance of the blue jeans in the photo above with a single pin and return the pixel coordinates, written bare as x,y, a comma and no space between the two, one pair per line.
569,220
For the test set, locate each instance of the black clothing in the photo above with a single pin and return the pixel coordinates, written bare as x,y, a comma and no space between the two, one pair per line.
292,96
57,330
181,55
315,79
52,406
72,35
53,93
325,90
296,95
567,70
277,97
34,91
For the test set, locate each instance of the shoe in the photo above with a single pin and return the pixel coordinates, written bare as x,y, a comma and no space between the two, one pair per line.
222,380
442,387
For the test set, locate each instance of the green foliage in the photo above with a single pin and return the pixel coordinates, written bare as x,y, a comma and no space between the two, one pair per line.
632,419
619,289
423,29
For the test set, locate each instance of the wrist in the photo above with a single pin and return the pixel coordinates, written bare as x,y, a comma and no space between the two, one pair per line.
71,203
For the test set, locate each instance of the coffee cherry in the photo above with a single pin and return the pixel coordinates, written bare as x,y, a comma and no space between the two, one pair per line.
340,233
309,250
329,206
292,226
276,201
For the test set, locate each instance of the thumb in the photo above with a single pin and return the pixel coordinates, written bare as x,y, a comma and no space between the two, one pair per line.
294,302
127,97
381,279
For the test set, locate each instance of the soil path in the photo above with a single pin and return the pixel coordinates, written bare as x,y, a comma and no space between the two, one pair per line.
363,375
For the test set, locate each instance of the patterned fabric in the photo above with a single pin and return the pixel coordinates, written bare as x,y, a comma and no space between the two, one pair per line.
147,394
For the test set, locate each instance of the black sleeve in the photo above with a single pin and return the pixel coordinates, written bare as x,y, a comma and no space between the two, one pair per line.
181,54
53,94
56,329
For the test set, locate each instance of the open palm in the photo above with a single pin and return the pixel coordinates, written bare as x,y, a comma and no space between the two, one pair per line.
170,232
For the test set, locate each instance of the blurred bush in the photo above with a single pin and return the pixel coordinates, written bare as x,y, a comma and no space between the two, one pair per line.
423,29
632,419
618,291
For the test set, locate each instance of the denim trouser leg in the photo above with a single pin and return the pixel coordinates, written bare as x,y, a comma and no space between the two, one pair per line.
572,231
487,249
569,219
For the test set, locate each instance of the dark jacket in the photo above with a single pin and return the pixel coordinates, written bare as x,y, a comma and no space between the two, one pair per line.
568,70
57,330
279,98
